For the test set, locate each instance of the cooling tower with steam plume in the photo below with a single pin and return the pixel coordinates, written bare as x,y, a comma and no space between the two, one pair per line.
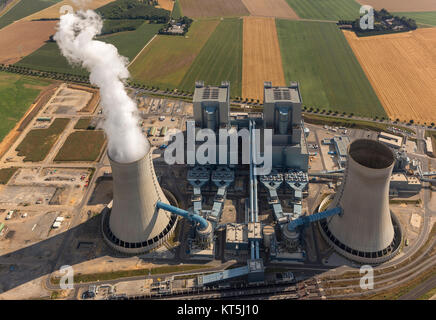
366,231
133,225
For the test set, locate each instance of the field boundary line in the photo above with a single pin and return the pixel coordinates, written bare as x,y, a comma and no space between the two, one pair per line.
146,45
10,7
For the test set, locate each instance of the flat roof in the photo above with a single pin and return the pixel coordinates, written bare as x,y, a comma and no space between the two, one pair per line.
211,93
341,144
275,94
236,233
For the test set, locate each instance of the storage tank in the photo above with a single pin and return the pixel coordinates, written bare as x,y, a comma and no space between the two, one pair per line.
134,225
366,231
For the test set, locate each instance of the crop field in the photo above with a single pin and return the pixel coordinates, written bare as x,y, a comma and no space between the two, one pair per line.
54,10
38,142
177,10
213,8
318,56
402,70
326,9
426,18
5,5
402,5
22,38
82,146
6,174
17,93
270,8
129,43
166,4
167,59
262,60
220,59
24,8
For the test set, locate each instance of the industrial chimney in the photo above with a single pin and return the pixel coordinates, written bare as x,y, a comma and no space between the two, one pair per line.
366,231
134,225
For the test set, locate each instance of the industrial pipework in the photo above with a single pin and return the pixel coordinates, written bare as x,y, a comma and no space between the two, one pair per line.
203,224
313,217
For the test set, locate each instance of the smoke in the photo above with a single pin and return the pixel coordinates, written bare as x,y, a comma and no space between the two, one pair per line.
108,70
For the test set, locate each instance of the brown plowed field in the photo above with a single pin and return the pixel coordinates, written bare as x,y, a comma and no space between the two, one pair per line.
270,8
53,11
21,38
213,8
166,4
402,71
401,5
262,60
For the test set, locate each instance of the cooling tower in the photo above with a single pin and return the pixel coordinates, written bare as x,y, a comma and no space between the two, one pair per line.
366,231
134,225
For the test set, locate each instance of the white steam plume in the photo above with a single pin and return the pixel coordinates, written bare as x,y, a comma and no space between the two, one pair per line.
75,38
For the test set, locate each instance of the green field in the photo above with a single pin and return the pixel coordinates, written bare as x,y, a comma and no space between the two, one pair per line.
129,43
167,59
326,9
17,93
220,59
23,9
318,56
83,123
6,174
38,142
426,18
81,146
177,10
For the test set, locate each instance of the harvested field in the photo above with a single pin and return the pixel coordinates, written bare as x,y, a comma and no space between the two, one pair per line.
166,60
82,146
270,8
166,4
261,60
54,10
326,9
213,8
22,38
402,70
401,5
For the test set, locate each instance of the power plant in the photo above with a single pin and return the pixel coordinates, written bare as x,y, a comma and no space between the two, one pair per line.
366,231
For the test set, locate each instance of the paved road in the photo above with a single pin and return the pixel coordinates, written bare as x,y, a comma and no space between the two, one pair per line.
420,290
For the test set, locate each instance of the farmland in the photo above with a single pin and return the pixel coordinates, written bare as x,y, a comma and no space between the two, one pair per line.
261,57
426,18
82,146
166,60
53,11
401,5
326,9
16,95
38,142
213,8
23,9
270,8
317,56
220,59
129,43
402,70
166,4
177,10
6,174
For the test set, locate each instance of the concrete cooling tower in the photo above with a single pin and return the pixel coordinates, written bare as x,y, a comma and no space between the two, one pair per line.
366,231
134,225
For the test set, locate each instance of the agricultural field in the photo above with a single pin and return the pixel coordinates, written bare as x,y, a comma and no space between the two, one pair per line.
23,9
82,146
53,12
220,59
425,18
167,59
17,93
177,10
402,70
83,123
326,9
22,38
262,60
401,5
318,56
213,8
38,142
270,8
166,4
129,44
